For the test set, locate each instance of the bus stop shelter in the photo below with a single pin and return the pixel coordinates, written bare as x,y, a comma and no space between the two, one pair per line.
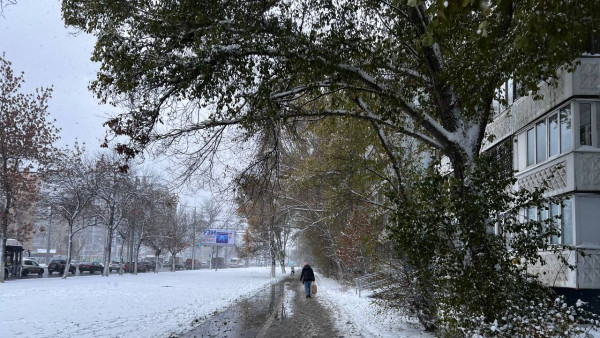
13,256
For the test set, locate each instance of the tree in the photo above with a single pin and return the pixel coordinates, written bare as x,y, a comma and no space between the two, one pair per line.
113,192
426,69
26,145
5,3
340,185
71,193
175,235
250,61
140,213
164,205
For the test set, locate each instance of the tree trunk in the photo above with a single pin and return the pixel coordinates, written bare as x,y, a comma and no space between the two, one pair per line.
2,252
282,263
157,262
68,261
172,261
272,252
121,259
4,225
137,254
107,252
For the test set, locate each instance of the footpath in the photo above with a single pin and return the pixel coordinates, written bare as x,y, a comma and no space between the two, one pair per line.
280,310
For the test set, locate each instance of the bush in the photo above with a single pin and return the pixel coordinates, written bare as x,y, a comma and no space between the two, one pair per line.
466,245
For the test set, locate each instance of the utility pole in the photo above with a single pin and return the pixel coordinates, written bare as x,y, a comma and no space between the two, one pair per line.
194,241
48,242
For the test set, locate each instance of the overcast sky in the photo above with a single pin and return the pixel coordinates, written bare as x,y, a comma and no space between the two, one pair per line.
34,38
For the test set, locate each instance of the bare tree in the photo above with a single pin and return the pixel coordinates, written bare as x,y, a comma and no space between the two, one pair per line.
26,139
5,3
71,193
140,212
163,207
114,191
175,235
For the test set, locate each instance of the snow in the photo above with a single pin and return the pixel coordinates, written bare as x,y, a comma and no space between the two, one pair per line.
143,305
360,316
165,303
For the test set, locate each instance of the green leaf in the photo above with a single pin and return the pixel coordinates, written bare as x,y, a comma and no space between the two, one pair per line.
427,40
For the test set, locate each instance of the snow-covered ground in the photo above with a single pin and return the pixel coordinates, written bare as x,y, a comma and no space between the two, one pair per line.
156,305
143,305
360,317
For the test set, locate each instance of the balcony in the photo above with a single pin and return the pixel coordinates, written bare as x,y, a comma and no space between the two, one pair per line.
585,275
584,82
576,171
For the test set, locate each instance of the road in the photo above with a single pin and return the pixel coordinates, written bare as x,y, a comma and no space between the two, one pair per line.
280,310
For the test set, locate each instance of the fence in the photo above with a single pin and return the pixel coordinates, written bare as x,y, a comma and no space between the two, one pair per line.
369,282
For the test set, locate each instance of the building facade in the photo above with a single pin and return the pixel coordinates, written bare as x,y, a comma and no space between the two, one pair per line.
556,141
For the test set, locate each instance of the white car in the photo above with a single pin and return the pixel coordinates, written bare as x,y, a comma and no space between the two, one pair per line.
31,267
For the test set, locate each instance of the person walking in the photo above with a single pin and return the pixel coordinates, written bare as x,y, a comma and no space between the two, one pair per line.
292,269
307,277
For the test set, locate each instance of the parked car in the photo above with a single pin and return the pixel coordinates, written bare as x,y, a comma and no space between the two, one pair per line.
150,265
188,264
58,265
130,267
91,267
114,266
31,266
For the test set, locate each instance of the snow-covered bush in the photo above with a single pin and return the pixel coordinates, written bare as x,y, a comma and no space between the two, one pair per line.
467,278
549,318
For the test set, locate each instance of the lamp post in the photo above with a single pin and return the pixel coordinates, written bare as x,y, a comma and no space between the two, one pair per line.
194,241
48,241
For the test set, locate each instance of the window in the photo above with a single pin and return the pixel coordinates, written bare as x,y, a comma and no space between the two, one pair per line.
554,213
530,147
544,215
540,141
562,215
585,124
569,127
565,129
597,116
553,134
502,153
567,222
505,95
532,214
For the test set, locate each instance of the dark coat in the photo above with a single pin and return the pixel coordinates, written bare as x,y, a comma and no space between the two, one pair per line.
307,274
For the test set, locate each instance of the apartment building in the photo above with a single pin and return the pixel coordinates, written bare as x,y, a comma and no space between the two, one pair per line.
556,140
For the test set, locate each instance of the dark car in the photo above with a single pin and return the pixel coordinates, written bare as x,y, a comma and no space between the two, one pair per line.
31,267
130,267
188,264
58,265
91,267
150,265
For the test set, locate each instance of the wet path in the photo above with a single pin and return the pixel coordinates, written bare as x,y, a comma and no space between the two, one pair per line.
280,310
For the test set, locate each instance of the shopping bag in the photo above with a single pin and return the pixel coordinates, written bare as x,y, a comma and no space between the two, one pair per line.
313,288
